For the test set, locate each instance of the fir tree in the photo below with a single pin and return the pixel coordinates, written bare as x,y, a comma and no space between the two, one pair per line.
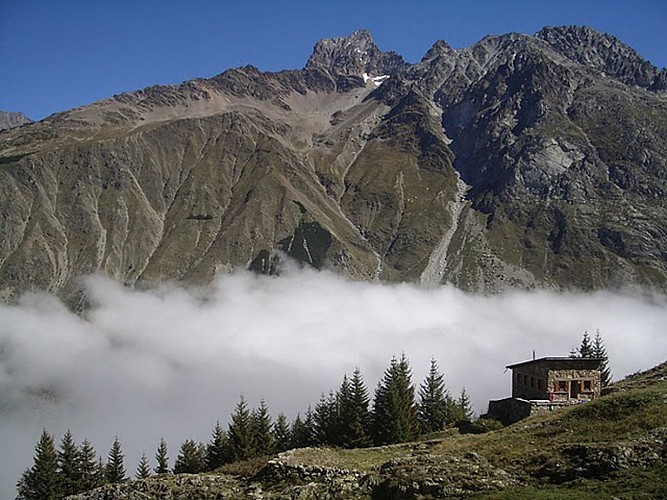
88,477
262,428
240,432
217,450
115,469
586,348
281,433
599,351
144,468
68,466
191,458
394,408
40,482
432,401
100,472
353,414
161,458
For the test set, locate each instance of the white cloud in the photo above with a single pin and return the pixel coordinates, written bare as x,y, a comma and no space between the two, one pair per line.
170,362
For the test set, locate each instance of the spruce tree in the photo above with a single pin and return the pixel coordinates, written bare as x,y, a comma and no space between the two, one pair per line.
299,435
40,482
88,477
325,420
144,468
191,458
586,348
68,466
161,458
240,432
281,433
115,468
101,472
463,406
599,351
394,408
262,430
217,450
432,401
353,416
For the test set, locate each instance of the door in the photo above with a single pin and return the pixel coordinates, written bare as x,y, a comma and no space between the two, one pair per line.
574,389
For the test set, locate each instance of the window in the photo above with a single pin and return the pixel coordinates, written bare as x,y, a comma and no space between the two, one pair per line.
532,381
587,385
539,384
562,386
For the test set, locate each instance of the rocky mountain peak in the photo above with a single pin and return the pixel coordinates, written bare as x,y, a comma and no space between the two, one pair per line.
601,51
355,54
12,119
440,47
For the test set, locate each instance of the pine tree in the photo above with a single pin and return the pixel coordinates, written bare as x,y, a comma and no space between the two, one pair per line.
394,408
262,429
599,351
353,414
432,401
161,458
240,432
281,433
217,450
586,348
88,477
68,466
115,469
40,482
144,468
191,458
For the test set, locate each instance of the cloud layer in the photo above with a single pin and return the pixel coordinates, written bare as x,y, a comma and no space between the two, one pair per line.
170,362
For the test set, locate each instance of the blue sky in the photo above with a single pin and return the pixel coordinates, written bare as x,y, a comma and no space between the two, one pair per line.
59,54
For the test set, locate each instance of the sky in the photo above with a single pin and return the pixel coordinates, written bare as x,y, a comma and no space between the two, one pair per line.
169,362
57,55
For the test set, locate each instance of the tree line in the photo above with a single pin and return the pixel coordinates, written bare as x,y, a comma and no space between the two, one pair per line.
344,418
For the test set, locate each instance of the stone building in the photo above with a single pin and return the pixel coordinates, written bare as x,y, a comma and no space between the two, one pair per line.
546,384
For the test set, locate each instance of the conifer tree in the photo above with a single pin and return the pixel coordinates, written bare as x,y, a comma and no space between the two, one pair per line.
115,468
432,400
68,466
240,432
325,420
464,410
394,408
101,472
262,430
161,458
88,477
281,433
353,416
586,348
191,458
217,450
40,482
144,468
299,435
599,351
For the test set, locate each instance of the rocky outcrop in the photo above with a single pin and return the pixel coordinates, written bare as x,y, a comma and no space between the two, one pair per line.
10,119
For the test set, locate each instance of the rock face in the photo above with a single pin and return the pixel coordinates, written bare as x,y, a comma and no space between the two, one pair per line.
10,119
521,161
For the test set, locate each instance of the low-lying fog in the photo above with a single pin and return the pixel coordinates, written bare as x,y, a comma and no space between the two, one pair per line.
170,362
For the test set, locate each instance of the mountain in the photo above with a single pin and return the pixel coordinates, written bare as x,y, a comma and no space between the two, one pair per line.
9,119
614,447
521,161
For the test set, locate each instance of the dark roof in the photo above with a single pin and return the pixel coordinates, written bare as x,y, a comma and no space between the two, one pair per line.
560,360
